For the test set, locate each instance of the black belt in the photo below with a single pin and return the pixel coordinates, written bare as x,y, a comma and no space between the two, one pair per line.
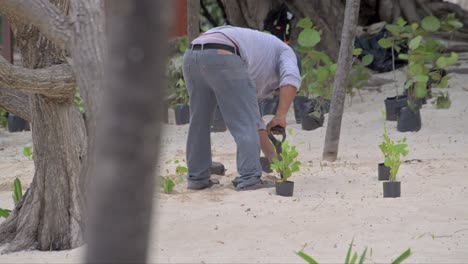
215,46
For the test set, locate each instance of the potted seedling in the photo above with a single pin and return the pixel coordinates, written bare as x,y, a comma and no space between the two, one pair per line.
359,75
286,164
426,68
308,38
179,101
401,33
395,151
384,171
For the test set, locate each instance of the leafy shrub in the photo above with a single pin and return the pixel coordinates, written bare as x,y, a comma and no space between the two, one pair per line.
287,163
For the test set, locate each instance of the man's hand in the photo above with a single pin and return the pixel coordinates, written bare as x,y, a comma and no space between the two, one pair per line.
276,121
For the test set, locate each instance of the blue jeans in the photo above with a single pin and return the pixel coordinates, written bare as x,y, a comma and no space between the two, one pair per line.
212,78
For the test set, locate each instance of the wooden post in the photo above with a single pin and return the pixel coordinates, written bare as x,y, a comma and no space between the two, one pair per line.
7,40
193,19
332,137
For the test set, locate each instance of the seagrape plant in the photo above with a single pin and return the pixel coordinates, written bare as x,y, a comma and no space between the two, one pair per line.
319,70
393,152
286,164
17,197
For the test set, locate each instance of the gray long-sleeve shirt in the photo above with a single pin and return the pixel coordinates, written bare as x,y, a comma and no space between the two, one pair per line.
271,63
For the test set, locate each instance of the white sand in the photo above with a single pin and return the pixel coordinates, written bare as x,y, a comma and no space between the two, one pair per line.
332,203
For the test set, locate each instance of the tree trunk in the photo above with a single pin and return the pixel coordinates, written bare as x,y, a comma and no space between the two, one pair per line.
128,137
193,19
332,137
50,215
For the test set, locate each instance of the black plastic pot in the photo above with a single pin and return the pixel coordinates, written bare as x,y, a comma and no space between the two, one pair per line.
269,106
217,168
16,124
299,107
384,172
218,124
285,188
409,119
391,189
182,114
323,105
393,106
310,122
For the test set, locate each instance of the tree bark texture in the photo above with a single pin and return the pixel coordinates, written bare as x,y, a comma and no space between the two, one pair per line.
50,215
129,133
328,15
193,19
332,137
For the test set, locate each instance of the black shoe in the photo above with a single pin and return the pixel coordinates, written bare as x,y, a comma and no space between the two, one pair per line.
196,186
260,185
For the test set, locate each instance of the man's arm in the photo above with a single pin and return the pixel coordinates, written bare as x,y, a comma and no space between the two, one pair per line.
286,96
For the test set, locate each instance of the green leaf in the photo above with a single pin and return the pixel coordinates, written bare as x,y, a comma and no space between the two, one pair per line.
4,213
367,59
357,52
455,24
181,170
353,260
183,45
408,84
415,69
402,257
430,23
306,257
403,56
414,43
394,29
333,67
27,152
441,63
443,82
167,184
180,179
322,74
309,38
421,78
452,59
386,42
348,255
401,22
363,256
17,191
305,23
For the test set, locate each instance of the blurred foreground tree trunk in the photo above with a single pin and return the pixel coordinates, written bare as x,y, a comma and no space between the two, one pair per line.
128,137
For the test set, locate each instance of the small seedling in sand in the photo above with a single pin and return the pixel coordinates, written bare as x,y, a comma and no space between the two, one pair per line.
443,101
394,152
27,152
17,197
353,258
167,184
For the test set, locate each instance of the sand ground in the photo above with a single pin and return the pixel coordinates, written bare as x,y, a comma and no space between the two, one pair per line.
333,202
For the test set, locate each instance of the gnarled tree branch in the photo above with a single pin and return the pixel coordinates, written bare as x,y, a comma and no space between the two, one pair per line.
15,102
47,17
56,81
